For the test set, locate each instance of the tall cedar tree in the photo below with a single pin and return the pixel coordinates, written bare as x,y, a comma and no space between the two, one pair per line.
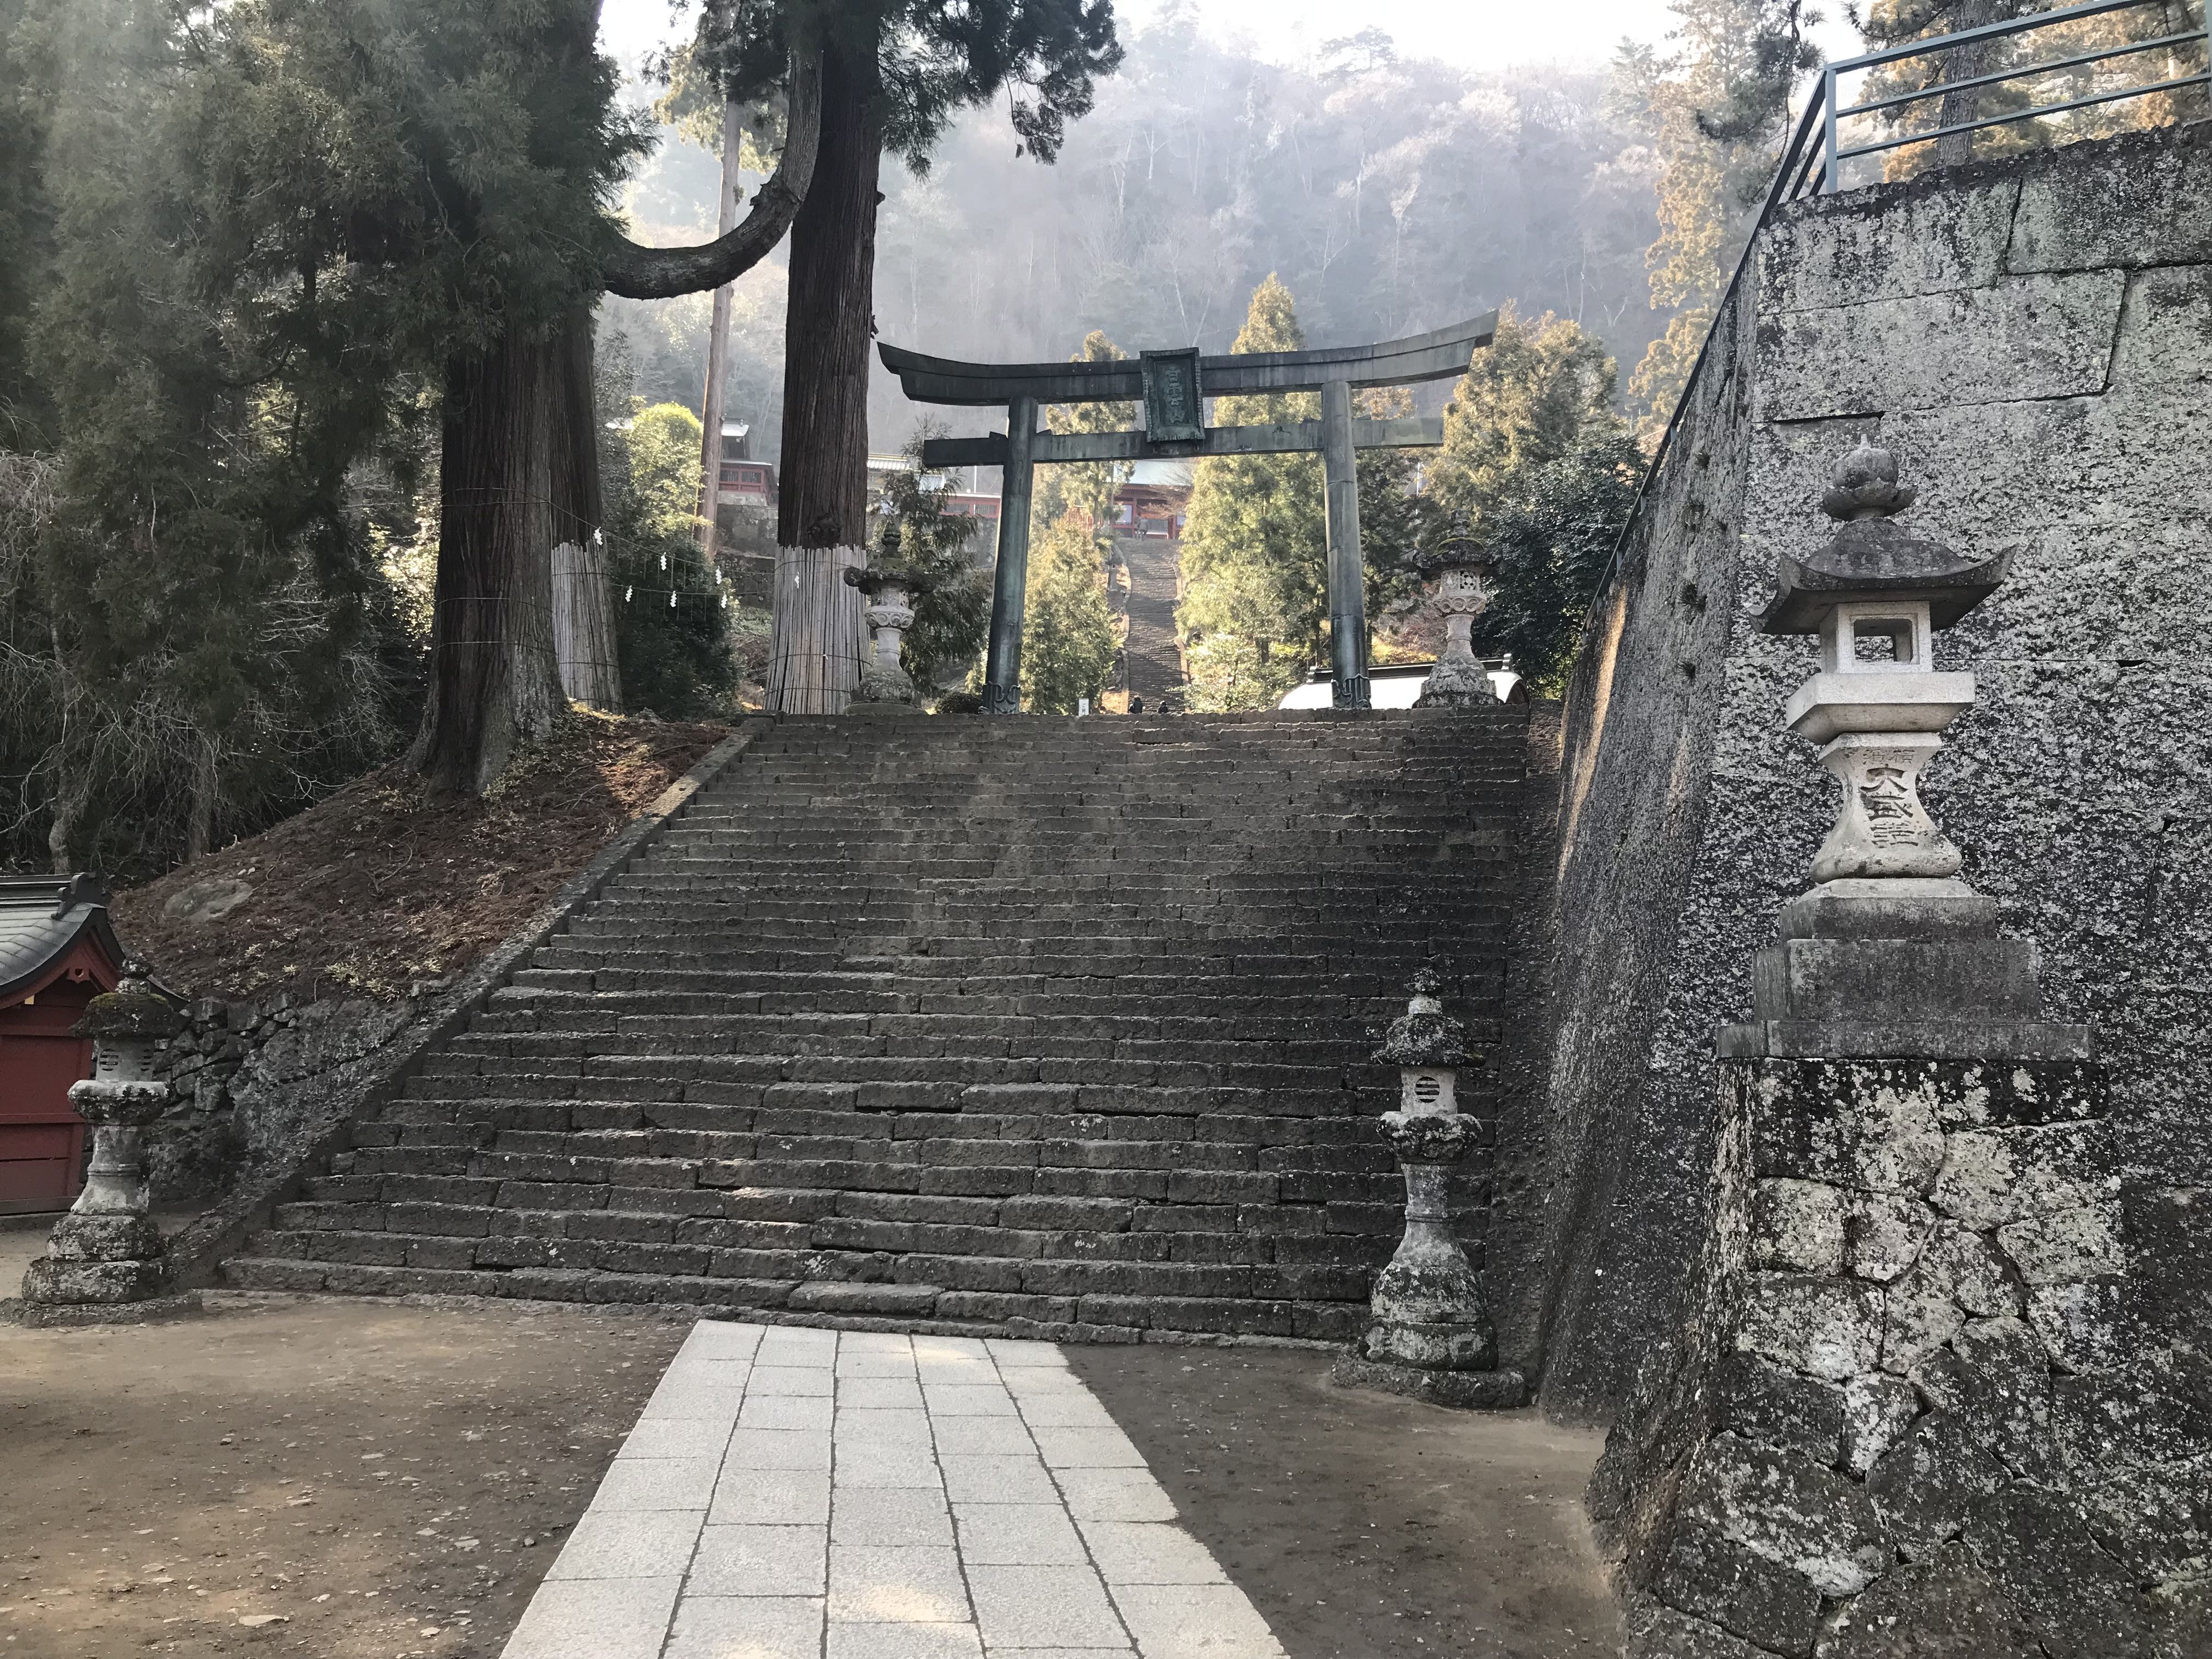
1254,545
1542,470
1070,638
205,583
1069,641
1717,107
1085,487
520,465
894,73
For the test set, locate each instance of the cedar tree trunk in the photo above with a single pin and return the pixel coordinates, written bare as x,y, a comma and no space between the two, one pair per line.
591,671
821,513
494,682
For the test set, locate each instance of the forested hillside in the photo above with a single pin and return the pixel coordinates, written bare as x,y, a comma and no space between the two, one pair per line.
1391,195
300,397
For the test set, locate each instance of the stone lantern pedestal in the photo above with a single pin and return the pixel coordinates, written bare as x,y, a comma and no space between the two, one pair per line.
1461,570
106,1261
1429,1335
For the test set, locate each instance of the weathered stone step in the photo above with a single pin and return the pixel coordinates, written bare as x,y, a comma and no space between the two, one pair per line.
1099,1317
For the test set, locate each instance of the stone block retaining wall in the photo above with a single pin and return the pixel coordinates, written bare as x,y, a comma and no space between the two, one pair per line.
1918,1408
242,1072
2033,339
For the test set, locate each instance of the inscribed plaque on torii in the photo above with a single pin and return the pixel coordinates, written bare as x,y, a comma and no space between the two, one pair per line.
1171,387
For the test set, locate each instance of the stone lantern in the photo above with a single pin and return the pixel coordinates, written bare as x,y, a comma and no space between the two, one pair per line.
1875,593
1889,951
107,1258
1428,1334
1460,568
890,595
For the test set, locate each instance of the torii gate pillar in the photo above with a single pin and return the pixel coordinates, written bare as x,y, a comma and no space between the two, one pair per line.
1347,583
1173,385
1002,661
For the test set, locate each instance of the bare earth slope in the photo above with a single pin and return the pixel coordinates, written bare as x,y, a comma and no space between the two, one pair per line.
382,883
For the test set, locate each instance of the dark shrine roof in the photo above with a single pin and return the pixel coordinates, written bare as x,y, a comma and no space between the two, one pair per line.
41,919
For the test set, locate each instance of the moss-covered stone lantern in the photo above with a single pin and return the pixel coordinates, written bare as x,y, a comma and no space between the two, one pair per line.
107,1252
1429,1334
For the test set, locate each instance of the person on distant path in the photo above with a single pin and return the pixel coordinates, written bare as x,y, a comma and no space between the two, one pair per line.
1136,705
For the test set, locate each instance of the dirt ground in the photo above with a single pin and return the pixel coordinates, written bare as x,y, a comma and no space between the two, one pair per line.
382,883
377,1480
388,1481
1363,1526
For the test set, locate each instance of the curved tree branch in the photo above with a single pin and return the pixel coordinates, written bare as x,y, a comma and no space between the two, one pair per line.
638,272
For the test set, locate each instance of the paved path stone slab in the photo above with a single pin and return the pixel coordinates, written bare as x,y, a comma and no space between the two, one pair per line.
819,1495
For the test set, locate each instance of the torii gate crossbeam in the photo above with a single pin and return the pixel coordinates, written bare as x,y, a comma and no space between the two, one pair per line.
1172,386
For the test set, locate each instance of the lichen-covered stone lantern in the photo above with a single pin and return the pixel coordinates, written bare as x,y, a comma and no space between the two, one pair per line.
1460,568
890,594
1428,1334
1888,953
105,1259
1875,593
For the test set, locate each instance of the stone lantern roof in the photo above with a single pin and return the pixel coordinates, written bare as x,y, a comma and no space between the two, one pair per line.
1871,557
1424,1035
133,1009
872,582
1455,547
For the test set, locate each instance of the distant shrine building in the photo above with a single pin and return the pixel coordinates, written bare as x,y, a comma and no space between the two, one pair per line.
1151,504
746,486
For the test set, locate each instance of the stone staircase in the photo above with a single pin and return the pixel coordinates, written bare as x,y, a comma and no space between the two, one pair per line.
1043,1025
1152,658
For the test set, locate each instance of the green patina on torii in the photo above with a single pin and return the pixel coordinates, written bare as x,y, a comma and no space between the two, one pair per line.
1173,386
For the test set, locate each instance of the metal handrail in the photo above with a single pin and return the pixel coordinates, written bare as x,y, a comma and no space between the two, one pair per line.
1804,162
2101,55
1827,98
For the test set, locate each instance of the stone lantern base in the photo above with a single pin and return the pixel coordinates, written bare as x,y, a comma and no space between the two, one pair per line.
1458,682
100,1269
1469,1390
42,1315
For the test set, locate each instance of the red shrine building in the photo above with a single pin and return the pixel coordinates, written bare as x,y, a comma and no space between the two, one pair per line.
743,481
1154,507
57,952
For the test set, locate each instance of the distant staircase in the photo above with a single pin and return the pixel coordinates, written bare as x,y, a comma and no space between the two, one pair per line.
1151,655
1048,1025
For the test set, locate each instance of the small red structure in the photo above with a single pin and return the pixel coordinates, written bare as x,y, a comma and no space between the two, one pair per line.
57,952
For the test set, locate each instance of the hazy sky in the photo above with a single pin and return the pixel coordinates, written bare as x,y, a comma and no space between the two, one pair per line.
1475,33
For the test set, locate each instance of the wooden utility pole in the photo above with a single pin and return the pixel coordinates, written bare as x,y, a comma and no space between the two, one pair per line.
718,348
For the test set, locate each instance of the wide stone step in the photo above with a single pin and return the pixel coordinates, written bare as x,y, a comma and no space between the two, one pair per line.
1097,1317
840,1249
885,1056
1333,1097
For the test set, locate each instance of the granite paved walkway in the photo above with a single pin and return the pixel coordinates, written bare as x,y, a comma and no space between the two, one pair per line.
804,1494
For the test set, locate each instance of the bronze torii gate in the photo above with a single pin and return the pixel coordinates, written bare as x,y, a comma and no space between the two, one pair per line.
1172,386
